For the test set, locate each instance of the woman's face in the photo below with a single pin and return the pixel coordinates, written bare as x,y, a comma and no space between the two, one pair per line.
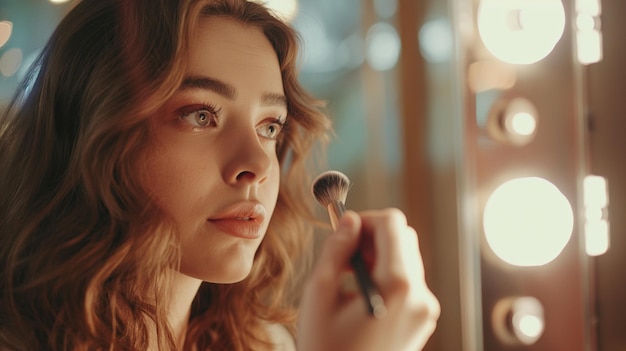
213,166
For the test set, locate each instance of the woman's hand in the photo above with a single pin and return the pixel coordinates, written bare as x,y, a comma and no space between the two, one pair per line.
335,319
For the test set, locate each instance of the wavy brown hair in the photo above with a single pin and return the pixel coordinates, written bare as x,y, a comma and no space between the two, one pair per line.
84,251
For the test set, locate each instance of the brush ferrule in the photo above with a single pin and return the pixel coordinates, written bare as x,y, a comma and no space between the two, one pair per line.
336,208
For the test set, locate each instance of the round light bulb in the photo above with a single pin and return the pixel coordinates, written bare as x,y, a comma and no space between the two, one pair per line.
523,123
529,326
527,221
520,31
513,121
518,320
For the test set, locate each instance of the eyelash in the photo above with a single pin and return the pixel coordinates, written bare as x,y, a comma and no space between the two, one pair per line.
280,123
214,113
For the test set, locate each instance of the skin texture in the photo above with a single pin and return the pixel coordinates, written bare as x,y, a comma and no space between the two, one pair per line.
213,158
228,167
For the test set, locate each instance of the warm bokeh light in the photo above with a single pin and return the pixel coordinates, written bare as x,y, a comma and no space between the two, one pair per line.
596,200
383,46
591,7
523,123
527,320
585,22
513,121
10,62
518,320
529,326
6,27
527,221
593,213
589,47
597,240
588,34
285,9
520,31
595,191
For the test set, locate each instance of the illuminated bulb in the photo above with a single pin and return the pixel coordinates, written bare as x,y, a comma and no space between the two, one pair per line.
596,237
520,31
592,7
527,221
595,191
585,22
527,319
589,47
528,326
593,214
513,121
518,320
520,121
6,28
58,1
523,123
588,35
596,200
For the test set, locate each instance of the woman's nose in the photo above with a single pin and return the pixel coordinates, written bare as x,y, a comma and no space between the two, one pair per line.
249,159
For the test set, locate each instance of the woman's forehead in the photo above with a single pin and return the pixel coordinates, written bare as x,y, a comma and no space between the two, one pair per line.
236,53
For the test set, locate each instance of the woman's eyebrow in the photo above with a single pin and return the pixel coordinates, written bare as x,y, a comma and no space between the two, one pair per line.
208,83
271,99
229,91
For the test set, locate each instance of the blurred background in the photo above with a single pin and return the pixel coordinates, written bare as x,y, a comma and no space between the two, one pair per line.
496,125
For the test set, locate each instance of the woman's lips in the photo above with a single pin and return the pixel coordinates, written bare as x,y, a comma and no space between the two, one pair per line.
242,220
246,229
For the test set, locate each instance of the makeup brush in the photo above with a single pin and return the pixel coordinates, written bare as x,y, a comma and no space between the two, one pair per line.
331,190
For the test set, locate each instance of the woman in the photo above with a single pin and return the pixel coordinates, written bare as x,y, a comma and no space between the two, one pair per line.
153,168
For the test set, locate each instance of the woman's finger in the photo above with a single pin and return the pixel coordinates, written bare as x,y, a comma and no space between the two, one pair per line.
397,261
335,256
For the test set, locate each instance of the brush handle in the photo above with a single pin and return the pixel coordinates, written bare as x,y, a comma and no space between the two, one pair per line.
374,301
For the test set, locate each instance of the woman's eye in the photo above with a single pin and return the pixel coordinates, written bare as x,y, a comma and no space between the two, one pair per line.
271,130
202,117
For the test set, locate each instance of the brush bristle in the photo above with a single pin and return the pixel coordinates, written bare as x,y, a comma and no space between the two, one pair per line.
330,186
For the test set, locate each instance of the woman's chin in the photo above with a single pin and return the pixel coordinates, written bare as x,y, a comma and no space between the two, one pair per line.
228,279
225,275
